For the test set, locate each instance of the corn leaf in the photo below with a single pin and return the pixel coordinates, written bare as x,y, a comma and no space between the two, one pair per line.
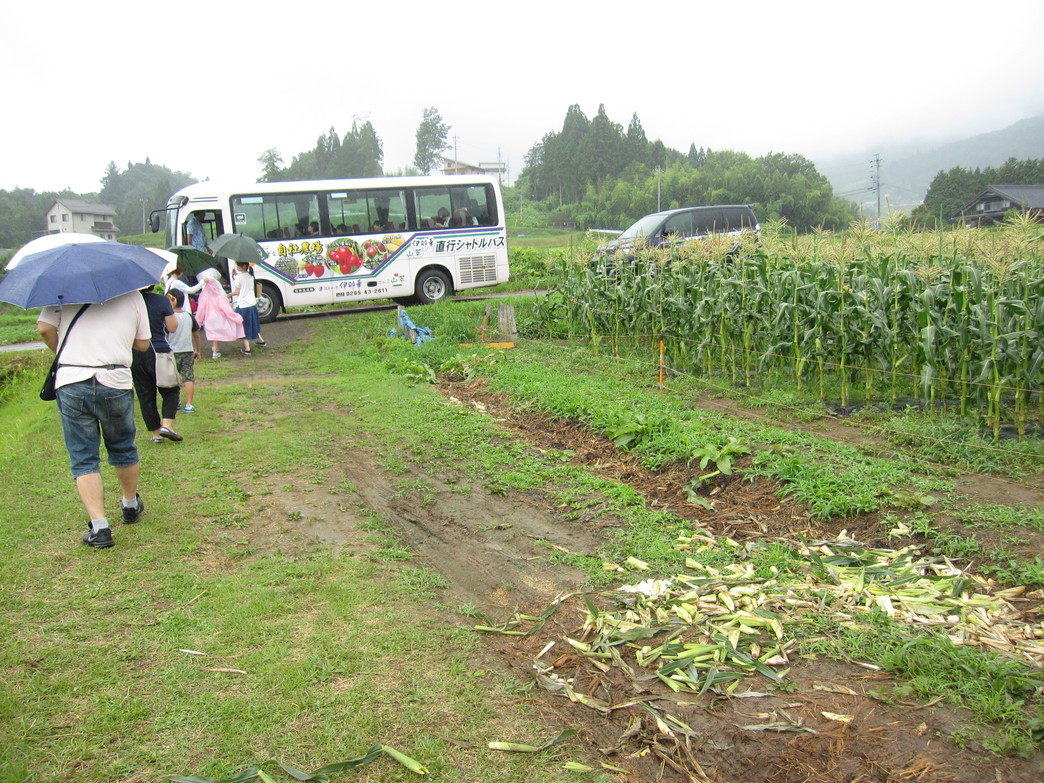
323,773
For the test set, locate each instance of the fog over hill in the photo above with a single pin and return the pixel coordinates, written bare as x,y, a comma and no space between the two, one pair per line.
906,171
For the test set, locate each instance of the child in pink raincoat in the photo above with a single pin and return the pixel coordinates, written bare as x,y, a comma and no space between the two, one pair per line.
214,313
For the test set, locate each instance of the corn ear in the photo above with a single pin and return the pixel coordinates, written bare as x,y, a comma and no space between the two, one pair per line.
406,761
514,747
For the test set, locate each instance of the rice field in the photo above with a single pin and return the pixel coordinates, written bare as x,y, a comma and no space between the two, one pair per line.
949,319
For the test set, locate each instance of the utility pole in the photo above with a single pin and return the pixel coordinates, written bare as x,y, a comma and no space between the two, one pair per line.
875,179
658,173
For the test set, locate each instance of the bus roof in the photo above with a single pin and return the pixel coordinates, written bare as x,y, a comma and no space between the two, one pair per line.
212,187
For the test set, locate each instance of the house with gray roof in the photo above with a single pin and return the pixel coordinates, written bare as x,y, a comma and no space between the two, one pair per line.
72,215
990,206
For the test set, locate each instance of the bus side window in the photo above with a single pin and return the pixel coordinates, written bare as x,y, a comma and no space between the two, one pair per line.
432,207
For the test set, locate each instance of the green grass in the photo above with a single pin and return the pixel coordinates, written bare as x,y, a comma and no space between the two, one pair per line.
544,238
998,562
342,649
145,240
995,689
339,651
17,325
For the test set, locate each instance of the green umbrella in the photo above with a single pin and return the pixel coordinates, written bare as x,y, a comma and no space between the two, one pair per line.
193,261
238,247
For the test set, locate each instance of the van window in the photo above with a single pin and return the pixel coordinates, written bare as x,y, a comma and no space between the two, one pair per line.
212,226
709,221
739,219
642,228
680,224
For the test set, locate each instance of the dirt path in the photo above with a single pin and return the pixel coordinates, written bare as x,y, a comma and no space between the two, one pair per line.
493,551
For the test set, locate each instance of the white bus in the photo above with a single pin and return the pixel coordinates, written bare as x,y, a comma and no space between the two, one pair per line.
411,239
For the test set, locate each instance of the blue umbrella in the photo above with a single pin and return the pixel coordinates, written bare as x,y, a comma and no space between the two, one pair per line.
79,273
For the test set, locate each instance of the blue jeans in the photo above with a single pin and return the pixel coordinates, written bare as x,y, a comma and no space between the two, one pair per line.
91,412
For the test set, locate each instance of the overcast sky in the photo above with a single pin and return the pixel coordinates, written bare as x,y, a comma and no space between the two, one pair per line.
207,87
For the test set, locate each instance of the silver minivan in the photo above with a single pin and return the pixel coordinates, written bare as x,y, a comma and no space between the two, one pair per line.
682,225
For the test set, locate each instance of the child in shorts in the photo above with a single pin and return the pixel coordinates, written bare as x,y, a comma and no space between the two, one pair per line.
186,345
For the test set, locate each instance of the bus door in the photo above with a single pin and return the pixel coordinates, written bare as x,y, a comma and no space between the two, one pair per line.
212,221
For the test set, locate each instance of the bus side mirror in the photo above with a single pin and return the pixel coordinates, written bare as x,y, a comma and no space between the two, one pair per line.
154,222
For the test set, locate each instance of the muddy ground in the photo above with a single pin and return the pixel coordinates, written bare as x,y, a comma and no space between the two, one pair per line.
494,552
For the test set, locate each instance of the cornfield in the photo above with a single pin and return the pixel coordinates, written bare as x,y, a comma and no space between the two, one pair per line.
951,319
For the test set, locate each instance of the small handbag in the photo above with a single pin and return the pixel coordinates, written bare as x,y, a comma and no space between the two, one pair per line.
167,375
49,391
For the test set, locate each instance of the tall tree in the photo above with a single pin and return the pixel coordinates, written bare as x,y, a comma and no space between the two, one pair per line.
431,140
326,148
361,153
270,161
569,156
112,190
604,147
372,150
22,214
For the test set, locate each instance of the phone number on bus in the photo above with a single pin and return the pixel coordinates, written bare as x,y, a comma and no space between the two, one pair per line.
363,292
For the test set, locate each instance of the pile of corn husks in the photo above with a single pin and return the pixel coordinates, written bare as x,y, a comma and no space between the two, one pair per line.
710,628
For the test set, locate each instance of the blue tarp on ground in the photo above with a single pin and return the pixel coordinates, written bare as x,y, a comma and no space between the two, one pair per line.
418,334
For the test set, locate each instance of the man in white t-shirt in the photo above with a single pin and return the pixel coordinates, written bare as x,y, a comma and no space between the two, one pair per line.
96,399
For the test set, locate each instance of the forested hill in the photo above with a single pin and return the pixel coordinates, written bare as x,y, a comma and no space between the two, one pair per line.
594,174
133,192
906,173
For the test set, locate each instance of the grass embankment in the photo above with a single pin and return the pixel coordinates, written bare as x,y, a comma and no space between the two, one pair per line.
544,238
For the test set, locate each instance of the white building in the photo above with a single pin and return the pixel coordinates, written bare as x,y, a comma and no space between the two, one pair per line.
72,215
451,167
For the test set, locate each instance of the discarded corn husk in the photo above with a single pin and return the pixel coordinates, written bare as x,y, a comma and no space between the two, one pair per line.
711,628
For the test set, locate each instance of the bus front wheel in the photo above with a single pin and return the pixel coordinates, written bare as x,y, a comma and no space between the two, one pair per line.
269,303
432,285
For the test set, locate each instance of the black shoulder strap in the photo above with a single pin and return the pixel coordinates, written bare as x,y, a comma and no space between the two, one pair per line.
72,323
